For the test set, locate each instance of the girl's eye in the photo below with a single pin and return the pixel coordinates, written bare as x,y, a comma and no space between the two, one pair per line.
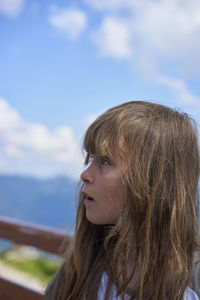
91,158
102,160
105,161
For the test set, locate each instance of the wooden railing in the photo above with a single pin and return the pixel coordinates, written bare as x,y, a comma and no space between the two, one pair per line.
33,235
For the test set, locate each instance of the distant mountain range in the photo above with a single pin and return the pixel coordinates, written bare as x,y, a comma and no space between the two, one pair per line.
48,202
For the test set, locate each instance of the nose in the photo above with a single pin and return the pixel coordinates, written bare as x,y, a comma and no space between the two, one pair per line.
86,176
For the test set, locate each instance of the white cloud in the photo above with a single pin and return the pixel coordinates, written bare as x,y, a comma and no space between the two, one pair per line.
113,38
69,21
169,30
90,119
12,151
161,39
11,8
34,149
9,117
180,88
153,34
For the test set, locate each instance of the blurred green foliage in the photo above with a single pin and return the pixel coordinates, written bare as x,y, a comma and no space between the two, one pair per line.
39,267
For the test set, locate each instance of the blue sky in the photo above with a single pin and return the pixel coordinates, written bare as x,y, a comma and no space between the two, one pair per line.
64,62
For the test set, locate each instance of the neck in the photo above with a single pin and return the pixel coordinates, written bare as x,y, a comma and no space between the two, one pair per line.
133,270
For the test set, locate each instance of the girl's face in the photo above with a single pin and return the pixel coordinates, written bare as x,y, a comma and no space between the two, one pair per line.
103,189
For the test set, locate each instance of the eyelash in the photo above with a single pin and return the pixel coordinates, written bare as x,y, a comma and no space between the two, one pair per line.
103,160
90,159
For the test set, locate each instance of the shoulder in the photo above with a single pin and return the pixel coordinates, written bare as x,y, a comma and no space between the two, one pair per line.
190,294
195,282
113,291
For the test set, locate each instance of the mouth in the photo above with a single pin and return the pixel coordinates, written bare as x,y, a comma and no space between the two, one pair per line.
88,198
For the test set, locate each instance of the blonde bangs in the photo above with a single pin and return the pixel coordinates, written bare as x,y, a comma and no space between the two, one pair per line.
103,138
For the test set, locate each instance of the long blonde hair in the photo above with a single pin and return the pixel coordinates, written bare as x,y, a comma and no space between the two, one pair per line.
160,216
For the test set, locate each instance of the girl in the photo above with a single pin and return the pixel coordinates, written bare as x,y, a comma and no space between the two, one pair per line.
136,227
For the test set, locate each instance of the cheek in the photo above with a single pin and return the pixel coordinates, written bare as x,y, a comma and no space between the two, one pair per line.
116,201
119,193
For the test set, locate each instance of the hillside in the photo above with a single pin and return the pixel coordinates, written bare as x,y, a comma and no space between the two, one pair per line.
47,202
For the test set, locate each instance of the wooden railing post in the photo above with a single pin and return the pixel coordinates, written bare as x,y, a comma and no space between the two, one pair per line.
12,291
41,237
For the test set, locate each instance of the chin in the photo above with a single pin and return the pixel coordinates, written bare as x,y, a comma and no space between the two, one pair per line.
100,221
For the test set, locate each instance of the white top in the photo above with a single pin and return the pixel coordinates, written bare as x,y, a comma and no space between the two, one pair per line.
188,295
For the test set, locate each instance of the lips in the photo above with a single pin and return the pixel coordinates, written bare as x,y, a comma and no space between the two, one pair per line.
88,198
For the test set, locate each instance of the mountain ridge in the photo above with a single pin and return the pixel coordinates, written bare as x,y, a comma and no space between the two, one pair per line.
49,202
